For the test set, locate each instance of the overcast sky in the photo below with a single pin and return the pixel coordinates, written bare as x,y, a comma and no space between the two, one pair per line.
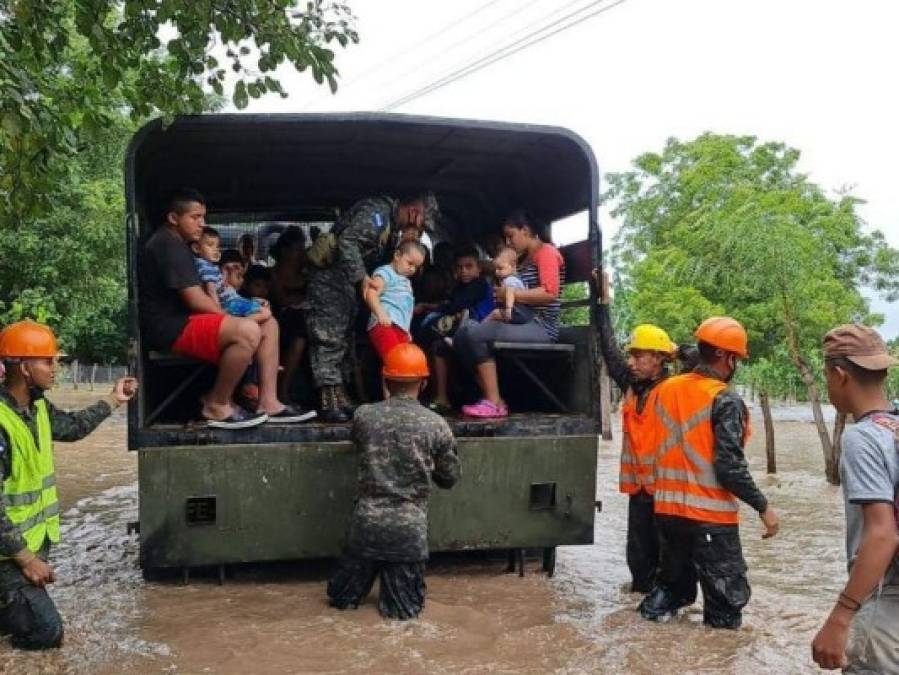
817,74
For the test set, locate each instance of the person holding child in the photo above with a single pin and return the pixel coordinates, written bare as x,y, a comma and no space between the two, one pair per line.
178,315
543,272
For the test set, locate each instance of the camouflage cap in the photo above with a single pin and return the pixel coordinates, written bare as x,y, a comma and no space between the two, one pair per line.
860,344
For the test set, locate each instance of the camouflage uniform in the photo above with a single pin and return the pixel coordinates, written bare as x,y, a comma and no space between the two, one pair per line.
331,297
402,446
26,611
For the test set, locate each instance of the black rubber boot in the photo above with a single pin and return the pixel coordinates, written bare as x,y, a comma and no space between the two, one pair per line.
661,605
329,408
344,402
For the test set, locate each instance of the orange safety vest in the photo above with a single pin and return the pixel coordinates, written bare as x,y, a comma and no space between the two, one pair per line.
638,444
685,481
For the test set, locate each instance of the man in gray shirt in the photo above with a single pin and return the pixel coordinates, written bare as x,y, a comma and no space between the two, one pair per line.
856,364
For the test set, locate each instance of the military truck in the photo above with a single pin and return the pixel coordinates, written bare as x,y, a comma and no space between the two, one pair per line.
211,497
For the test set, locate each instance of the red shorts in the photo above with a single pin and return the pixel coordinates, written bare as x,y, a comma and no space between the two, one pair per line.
200,338
385,338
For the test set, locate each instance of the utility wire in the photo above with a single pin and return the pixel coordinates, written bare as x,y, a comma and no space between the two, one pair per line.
529,40
424,41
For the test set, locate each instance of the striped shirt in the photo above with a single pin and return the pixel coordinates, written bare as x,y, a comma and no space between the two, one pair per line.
547,269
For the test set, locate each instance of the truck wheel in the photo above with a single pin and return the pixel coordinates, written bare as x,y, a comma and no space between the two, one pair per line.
549,561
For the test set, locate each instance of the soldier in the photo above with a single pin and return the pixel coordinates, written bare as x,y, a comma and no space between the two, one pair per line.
359,242
29,510
402,446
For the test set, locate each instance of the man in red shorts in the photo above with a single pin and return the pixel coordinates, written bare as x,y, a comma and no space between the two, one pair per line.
177,315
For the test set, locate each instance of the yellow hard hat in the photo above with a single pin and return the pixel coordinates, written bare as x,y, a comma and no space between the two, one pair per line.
652,339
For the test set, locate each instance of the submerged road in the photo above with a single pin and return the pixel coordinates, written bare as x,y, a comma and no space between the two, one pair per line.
477,619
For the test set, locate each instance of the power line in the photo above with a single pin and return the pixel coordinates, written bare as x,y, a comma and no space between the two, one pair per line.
529,40
469,38
424,41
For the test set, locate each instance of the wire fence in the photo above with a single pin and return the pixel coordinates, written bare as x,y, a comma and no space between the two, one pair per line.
80,375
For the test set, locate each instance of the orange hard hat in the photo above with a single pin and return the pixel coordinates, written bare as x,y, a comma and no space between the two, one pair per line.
405,362
724,333
28,340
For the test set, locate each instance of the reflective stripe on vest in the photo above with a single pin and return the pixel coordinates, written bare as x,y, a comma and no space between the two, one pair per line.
638,442
685,481
29,491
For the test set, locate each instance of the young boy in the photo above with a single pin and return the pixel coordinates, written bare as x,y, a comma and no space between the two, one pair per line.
856,361
257,282
209,259
402,447
29,507
389,296
505,267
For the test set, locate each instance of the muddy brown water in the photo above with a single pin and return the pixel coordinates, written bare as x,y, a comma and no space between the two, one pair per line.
477,620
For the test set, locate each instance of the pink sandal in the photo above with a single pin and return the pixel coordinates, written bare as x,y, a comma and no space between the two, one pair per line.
485,409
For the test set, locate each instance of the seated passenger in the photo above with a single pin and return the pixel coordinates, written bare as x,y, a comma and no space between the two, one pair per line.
390,299
257,283
542,272
208,257
177,315
471,298
288,294
505,268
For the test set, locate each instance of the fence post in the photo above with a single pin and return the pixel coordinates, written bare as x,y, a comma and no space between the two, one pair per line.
75,374
93,375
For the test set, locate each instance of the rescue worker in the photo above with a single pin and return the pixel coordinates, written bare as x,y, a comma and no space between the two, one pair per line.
700,473
637,374
360,240
402,447
29,509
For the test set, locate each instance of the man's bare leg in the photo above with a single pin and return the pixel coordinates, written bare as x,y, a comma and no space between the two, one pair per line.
267,357
292,360
238,340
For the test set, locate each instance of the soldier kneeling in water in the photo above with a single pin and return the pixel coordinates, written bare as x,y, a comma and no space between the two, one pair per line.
402,447
29,508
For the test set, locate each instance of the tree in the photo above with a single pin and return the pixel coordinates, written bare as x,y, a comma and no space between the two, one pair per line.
725,224
63,63
76,80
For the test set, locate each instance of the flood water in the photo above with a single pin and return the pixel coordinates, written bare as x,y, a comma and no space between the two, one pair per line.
477,619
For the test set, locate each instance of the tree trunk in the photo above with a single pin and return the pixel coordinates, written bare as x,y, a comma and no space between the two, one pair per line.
770,451
838,425
808,379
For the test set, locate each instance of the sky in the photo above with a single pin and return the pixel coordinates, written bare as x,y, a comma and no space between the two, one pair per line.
815,74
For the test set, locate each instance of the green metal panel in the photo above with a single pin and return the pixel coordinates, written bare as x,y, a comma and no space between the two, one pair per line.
292,501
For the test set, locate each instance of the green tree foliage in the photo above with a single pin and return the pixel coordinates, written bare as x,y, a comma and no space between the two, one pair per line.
725,224
67,68
76,79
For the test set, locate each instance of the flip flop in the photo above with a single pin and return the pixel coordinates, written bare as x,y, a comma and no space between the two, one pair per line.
239,419
291,415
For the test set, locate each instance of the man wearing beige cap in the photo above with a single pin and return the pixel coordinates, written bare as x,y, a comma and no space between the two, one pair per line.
856,364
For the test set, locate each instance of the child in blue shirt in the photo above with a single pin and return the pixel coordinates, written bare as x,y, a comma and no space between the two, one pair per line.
208,259
390,298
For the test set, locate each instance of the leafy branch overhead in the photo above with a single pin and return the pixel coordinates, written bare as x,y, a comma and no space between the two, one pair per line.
67,67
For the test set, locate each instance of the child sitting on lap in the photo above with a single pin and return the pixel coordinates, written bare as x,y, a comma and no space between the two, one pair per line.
391,300
220,277
505,267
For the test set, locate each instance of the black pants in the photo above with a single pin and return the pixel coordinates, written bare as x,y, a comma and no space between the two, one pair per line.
642,542
402,586
26,612
710,554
